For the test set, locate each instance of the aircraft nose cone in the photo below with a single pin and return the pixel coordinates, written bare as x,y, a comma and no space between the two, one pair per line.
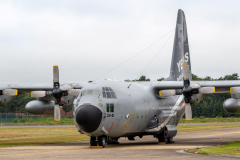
88,117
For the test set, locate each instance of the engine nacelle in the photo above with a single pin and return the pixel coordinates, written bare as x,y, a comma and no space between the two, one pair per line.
232,105
196,98
40,107
6,99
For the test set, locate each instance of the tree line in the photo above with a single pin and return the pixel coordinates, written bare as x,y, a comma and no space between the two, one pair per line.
210,106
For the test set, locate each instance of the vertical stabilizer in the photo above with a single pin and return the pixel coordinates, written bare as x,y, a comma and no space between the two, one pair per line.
180,52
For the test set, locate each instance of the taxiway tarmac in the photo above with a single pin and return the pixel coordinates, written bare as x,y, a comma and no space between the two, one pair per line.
142,148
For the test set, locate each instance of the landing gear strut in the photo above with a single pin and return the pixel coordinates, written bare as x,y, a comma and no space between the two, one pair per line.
93,141
101,141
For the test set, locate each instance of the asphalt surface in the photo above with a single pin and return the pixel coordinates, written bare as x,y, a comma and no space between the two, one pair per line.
144,148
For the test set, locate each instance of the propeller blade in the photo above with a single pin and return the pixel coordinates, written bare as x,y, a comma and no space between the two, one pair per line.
38,94
9,92
56,84
57,114
188,112
73,92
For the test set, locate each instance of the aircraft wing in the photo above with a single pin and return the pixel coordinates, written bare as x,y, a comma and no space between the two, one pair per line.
26,88
15,89
220,86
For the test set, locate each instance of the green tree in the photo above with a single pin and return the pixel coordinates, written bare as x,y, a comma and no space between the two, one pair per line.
67,108
143,78
160,79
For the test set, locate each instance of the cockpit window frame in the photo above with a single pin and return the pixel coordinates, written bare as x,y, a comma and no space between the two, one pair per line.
83,92
108,93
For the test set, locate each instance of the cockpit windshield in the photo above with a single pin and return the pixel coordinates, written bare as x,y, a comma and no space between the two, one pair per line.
108,92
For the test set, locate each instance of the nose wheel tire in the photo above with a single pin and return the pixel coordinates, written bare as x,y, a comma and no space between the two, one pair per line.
102,141
170,140
93,141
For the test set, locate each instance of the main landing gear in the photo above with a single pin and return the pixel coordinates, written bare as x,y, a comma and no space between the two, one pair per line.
162,137
101,141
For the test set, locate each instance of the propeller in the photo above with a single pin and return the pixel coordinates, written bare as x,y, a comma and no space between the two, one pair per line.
187,91
57,93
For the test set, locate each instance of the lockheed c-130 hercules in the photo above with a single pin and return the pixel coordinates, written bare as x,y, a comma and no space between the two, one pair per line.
106,110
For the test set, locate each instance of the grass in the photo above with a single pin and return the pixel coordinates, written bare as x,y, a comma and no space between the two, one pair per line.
211,120
196,152
37,136
230,148
190,128
66,120
47,135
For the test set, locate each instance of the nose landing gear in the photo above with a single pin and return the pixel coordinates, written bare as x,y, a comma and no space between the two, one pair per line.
93,141
101,141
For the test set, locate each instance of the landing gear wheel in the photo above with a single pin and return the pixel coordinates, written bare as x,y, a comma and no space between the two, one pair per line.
93,141
102,141
162,135
170,140
166,140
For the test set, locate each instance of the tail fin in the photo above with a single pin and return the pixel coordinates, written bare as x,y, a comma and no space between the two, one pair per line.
180,52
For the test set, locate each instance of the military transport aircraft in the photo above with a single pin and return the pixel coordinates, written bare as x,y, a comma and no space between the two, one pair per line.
106,110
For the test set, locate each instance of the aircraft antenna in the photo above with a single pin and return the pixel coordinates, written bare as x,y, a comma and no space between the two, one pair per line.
154,57
135,54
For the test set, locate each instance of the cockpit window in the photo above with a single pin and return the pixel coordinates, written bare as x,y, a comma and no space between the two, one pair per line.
109,95
108,92
104,94
113,95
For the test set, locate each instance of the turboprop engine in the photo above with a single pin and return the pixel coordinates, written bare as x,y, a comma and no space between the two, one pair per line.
6,99
39,107
7,94
44,105
232,105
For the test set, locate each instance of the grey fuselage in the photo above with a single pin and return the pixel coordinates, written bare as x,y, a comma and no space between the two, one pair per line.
137,109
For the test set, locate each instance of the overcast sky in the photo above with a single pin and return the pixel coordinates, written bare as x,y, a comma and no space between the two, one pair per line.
88,38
